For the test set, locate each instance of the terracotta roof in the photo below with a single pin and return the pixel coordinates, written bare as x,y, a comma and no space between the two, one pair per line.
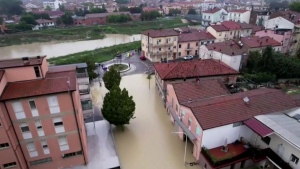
53,83
214,10
195,36
10,63
194,68
160,33
230,48
50,13
258,127
186,91
41,21
1,74
255,41
102,15
257,28
219,28
54,69
229,109
231,25
238,10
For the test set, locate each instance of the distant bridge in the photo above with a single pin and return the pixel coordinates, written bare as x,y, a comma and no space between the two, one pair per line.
193,18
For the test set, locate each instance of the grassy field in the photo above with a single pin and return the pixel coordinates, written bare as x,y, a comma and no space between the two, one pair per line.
98,55
118,67
88,32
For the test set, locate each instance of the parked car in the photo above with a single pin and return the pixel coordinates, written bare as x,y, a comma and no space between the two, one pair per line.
143,58
188,57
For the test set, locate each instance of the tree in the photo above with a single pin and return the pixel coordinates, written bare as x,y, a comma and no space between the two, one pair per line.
62,8
67,18
98,10
118,107
91,69
48,8
124,9
192,12
295,6
28,19
59,21
174,12
111,78
148,16
11,7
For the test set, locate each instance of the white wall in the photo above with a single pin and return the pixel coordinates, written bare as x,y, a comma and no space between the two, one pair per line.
245,17
280,22
216,137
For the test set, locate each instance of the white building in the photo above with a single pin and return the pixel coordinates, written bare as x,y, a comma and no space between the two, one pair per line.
239,15
278,23
213,16
43,24
53,4
207,5
30,7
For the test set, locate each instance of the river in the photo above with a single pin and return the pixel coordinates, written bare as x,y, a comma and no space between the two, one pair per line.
55,49
147,142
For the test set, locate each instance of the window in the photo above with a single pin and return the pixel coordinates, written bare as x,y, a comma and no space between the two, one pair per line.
182,114
230,33
267,140
24,128
208,17
31,149
159,49
247,31
202,43
72,154
220,34
205,166
45,147
237,124
179,46
41,161
53,104
37,71
174,47
38,125
32,105
179,53
58,124
8,165
196,43
175,38
63,143
198,131
18,109
4,145
294,159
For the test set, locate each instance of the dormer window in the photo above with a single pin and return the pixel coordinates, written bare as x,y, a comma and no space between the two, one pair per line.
37,71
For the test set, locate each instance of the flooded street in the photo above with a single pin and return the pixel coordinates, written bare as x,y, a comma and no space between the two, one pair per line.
148,142
54,49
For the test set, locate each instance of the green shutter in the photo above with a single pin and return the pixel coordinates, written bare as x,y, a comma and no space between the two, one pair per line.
198,131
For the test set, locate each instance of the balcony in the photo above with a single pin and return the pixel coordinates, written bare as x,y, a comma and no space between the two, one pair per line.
86,103
162,44
189,49
159,53
84,89
83,81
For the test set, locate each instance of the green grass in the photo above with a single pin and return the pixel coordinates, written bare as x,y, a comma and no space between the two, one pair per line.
88,32
118,67
97,55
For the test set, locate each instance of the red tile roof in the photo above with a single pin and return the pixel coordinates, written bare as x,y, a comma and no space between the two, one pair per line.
258,127
195,36
257,28
239,11
194,68
219,28
10,63
53,83
160,33
41,21
256,42
187,91
63,68
231,25
229,109
214,10
230,48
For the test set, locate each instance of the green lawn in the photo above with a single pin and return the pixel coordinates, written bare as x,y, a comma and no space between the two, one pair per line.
118,67
87,32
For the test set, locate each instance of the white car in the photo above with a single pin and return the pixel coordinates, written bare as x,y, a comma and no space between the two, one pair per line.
188,57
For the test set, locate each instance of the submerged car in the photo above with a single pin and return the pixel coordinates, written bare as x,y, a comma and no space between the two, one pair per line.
143,58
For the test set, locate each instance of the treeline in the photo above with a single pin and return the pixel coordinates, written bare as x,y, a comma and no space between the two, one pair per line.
149,16
122,18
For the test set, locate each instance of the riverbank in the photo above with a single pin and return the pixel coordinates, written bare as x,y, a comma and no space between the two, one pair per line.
87,33
97,55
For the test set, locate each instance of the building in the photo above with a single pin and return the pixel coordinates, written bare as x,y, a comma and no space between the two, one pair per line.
186,71
228,30
189,41
228,52
185,7
207,5
96,18
282,20
43,24
31,7
159,45
259,17
53,4
213,16
255,43
215,123
41,115
282,36
239,15
168,7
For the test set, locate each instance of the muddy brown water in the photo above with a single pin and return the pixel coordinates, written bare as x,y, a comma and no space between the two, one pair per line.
148,142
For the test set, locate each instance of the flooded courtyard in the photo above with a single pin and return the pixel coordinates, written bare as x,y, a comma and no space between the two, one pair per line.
147,142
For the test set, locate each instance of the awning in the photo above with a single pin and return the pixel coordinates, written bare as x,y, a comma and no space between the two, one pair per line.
258,127
184,128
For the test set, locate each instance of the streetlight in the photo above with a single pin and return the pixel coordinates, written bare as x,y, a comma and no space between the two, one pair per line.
184,161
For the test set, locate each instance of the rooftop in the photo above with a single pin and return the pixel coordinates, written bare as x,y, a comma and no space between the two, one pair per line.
192,69
10,63
214,10
41,21
195,36
231,25
230,48
193,90
55,82
228,109
233,150
258,127
160,33
239,11
256,42
219,28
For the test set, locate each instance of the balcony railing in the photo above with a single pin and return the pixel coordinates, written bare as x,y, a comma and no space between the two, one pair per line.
189,48
84,89
86,105
162,44
81,75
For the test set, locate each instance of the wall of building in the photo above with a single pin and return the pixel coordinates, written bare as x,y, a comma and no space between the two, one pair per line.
13,74
44,67
183,49
220,36
245,17
278,22
3,83
232,134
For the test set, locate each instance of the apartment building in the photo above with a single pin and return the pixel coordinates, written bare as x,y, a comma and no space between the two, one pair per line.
213,16
41,116
239,15
159,45
217,124
228,30
53,4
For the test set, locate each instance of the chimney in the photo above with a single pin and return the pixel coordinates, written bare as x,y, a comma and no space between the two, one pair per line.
25,60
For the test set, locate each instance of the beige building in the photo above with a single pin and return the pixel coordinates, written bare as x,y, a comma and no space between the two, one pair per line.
159,45
167,8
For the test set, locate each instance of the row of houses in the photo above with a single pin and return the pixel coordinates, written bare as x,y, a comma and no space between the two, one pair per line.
42,114
229,130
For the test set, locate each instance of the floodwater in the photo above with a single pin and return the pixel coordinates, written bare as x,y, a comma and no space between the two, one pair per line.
55,49
147,142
